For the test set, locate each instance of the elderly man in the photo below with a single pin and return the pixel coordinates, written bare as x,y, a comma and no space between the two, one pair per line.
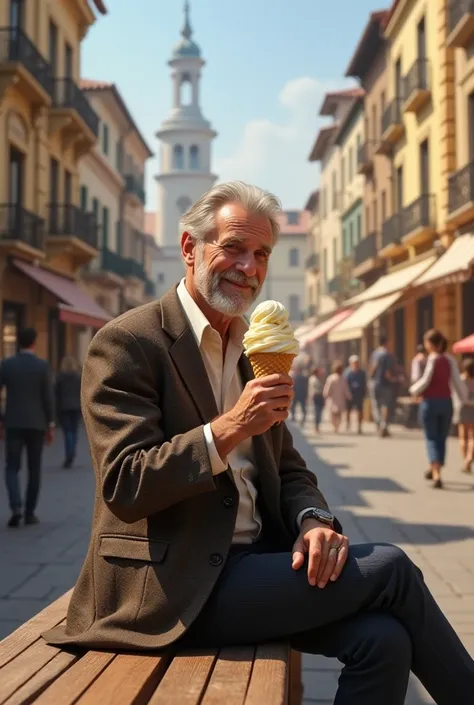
208,527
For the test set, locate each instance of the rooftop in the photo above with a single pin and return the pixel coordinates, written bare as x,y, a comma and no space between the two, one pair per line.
333,99
322,142
370,41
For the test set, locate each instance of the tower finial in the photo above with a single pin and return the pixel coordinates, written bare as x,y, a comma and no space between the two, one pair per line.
186,32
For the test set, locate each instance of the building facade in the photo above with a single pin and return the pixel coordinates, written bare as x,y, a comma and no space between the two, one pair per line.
46,126
312,265
185,156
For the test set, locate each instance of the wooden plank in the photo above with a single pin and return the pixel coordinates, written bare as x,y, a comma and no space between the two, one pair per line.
129,680
69,686
230,677
47,675
269,679
30,631
27,664
185,679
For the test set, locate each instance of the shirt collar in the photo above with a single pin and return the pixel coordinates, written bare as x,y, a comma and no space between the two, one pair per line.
199,323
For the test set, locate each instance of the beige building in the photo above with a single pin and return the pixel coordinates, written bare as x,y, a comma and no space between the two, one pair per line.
46,126
312,264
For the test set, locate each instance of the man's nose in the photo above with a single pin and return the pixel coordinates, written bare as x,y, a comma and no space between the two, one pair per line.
247,265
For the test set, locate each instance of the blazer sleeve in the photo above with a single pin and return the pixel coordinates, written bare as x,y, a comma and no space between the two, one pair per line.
139,472
299,486
48,394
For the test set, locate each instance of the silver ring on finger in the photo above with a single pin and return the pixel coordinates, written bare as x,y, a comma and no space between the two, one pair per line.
335,548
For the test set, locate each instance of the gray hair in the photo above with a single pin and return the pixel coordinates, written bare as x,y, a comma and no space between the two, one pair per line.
199,220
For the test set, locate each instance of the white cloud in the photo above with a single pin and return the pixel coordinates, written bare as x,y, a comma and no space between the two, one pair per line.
275,155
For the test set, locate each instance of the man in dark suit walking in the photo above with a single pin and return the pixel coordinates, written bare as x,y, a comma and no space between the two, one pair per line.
208,527
28,422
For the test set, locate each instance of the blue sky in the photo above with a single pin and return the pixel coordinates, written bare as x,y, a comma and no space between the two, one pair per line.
268,67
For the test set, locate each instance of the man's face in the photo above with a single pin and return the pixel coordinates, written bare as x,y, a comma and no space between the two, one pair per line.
355,365
231,265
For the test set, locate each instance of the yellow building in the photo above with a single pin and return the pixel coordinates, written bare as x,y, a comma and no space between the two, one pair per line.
46,126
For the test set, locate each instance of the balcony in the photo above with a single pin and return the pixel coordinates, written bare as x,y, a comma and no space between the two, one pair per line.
134,270
392,126
22,64
366,258
416,86
460,23
461,195
72,230
107,270
365,161
334,286
419,220
72,116
312,262
391,237
134,188
21,231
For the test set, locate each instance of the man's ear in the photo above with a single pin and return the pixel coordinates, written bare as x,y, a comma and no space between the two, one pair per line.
188,248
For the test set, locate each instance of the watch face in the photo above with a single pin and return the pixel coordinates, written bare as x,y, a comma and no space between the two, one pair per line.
324,516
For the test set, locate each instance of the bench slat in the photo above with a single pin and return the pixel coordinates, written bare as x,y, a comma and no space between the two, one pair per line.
130,679
269,680
42,679
70,685
230,677
185,679
27,664
30,631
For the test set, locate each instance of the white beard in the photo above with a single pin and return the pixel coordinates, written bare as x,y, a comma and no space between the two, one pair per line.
207,284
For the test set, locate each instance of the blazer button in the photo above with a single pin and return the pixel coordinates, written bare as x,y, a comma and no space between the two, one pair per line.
215,559
228,502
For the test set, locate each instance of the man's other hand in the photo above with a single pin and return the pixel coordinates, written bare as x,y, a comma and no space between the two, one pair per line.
264,402
326,550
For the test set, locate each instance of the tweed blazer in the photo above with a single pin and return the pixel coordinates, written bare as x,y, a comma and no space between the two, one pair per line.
163,523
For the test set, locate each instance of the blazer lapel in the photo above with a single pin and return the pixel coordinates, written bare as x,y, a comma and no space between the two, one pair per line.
187,357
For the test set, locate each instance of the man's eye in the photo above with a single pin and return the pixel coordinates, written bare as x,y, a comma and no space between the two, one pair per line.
232,248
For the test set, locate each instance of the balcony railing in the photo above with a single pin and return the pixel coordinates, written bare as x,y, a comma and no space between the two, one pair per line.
392,114
417,78
112,262
67,94
365,157
461,188
150,288
134,185
457,10
366,249
66,220
392,231
418,214
312,261
334,285
15,45
132,268
16,223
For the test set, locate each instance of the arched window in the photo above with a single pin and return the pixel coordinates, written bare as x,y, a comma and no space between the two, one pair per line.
294,257
185,91
194,157
183,204
178,157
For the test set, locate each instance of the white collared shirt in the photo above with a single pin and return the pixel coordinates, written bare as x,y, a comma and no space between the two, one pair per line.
226,383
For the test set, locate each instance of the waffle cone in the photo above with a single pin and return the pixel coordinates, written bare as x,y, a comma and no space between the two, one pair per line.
271,363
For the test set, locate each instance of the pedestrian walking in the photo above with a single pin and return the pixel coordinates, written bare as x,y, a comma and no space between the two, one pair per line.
383,379
418,364
28,422
466,416
315,393
300,381
68,405
337,394
441,375
357,381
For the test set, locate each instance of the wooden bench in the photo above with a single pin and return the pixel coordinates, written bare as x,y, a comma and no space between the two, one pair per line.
31,672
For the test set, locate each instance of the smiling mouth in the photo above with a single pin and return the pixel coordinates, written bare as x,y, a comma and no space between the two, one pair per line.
244,287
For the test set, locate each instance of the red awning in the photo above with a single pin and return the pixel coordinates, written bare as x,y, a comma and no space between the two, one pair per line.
324,327
75,305
464,346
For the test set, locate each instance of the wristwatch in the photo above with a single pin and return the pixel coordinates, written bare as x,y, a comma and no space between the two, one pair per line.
320,515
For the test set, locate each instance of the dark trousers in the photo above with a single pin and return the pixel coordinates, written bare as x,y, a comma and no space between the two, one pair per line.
301,401
17,439
69,422
435,417
318,408
379,619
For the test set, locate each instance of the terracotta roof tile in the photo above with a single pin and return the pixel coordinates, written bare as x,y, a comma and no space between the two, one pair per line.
88,85
300,228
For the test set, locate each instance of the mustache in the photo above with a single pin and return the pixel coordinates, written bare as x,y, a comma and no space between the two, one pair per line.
240,278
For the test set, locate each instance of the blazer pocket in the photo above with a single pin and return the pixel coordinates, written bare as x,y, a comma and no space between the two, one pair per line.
135,548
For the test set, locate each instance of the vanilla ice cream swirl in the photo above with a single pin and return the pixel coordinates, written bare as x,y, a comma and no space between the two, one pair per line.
270,331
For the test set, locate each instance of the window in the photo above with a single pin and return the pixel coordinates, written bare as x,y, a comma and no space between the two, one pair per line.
194,157
383,205
359,229
424,168
399,188
367,220
17,9
350,165
105,227
160,278
185,90
292,217
334,190
178,157
382,103
294,257
470,122
183,204
375,127
16,176
54,181
105,138
398,80
345,241
294,307
325,264
68,61
118,237
351,238
95,209
53,47
67,187
343,175
334,257
375,217
84,198
119,156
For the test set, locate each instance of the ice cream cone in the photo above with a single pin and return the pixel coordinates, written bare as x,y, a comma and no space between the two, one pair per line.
271,363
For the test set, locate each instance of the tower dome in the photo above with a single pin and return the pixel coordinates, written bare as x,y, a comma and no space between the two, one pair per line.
186,46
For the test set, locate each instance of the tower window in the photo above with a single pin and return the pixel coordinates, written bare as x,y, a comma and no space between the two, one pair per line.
185,90
183,204
294,257
194,157
178,157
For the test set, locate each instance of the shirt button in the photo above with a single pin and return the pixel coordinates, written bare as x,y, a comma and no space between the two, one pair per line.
228,502
215,559
191,477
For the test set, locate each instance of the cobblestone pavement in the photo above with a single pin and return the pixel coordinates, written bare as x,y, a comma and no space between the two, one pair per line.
375,486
